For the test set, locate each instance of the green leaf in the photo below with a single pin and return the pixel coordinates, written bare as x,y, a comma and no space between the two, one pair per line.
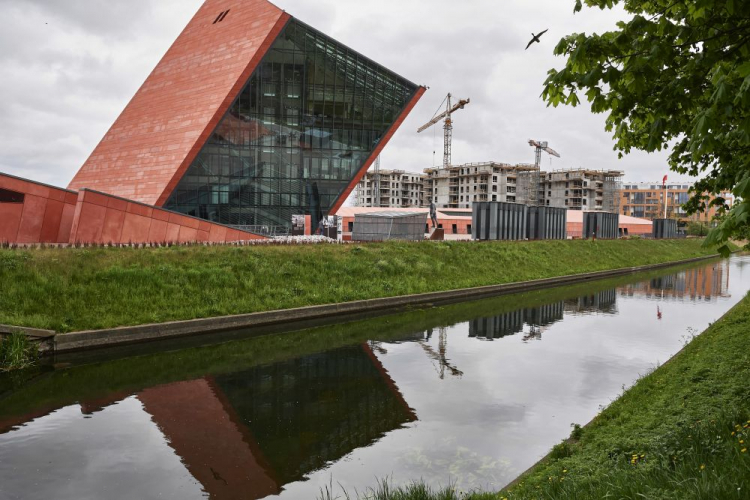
672,75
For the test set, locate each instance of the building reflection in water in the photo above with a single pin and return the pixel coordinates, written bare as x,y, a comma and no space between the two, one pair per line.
255,431
704,283
259,429
533,321
604,302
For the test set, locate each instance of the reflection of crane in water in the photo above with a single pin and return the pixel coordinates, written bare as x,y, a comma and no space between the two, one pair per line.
439,355
535,332
377,347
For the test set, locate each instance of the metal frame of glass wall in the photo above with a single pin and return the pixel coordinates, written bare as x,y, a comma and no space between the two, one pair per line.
301,129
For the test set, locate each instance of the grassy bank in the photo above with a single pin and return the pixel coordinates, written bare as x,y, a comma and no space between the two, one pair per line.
682,432
16,352
78,289
92,377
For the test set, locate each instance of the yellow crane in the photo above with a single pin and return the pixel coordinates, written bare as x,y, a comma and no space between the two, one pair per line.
450,108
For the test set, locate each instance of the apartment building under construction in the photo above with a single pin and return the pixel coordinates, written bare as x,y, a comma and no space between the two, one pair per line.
461,185
397,189
581,189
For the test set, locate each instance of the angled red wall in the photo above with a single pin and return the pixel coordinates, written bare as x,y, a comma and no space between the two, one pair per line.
103,218
219,453
157,136
45,216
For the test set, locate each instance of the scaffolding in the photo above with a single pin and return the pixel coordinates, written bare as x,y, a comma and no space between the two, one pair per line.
612,189
528,182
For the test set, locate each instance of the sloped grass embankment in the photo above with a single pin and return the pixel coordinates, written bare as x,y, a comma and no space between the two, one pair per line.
79,289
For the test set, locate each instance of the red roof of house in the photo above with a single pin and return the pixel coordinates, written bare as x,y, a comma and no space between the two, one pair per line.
162,129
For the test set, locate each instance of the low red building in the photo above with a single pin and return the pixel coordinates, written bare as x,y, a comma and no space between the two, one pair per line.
629,226
31,212
456,222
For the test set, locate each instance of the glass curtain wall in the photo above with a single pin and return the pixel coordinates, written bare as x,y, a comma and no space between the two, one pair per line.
302,127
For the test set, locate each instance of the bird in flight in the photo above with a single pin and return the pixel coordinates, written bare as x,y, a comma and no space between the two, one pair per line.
535,39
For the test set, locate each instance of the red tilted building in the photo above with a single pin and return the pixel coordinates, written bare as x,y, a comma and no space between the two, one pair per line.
249,118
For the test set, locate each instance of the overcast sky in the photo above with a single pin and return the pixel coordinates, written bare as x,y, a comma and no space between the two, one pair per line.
69,67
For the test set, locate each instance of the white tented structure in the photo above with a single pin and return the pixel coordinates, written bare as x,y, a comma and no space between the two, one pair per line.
382,226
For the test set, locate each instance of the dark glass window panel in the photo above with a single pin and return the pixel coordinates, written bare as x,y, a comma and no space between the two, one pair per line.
8,196
300,129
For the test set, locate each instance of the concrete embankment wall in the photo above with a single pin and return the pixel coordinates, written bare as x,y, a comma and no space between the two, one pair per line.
330,313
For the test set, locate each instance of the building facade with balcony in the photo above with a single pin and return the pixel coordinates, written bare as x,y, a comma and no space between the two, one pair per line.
581,189
398,189
461,185
648,200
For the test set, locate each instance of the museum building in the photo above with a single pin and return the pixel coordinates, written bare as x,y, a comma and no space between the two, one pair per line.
251,117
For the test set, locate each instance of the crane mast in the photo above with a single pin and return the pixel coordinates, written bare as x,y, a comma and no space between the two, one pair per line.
533,188
447,127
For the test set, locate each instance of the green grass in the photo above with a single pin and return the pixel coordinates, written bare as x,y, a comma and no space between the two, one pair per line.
680,433
413,491
16,352
79,289
90,378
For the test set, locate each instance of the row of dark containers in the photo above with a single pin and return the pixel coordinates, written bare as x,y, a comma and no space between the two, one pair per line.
493,220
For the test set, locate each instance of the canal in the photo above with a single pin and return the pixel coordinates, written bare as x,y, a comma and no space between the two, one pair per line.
469,394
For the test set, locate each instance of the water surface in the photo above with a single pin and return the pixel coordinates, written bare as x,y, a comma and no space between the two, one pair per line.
471,393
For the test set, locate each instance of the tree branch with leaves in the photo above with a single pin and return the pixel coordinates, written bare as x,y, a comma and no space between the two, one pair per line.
675,77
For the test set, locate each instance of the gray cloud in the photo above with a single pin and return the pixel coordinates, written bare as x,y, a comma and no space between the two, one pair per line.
66,81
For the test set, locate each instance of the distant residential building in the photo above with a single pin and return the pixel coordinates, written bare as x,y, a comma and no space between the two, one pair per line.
581,189
398,189
647,200
461,185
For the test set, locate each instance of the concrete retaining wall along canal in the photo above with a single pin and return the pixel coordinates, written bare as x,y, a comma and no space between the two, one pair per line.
43,338
330,312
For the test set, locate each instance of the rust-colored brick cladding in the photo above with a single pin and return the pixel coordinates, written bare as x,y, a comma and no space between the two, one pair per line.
39,213
103,218
45,214
157,136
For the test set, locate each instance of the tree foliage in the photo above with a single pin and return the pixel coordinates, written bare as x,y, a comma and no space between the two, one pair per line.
675,76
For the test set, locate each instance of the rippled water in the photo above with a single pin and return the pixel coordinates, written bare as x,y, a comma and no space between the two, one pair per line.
471,394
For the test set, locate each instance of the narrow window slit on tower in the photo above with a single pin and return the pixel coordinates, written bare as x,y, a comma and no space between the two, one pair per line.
218,17
8,196
224,15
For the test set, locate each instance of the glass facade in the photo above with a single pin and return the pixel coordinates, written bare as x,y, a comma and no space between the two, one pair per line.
300,130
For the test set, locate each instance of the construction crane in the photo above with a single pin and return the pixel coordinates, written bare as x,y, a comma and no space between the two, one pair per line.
448,127
539,146
439,356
